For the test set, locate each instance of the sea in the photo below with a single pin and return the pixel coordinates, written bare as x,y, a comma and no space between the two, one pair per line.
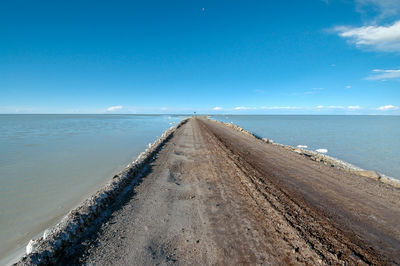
51,163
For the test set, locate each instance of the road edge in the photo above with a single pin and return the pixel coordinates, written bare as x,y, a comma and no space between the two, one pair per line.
68,231
321,158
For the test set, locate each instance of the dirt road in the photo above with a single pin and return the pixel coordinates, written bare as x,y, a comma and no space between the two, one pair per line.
216,196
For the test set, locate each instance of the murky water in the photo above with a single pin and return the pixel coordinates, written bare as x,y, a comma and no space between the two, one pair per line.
50,163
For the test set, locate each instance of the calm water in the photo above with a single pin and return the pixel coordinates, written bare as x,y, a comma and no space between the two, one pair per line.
49,163
370,142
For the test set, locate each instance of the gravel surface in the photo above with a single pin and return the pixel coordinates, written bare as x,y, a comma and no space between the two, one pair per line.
215,195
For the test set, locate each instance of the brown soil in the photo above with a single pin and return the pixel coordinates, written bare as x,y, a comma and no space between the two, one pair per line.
215,195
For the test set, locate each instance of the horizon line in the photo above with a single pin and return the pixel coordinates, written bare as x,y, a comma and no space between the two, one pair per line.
201,114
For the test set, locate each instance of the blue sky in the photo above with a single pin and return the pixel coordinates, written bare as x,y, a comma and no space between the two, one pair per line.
239,57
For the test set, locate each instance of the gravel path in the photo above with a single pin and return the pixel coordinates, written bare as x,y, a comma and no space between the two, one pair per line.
214,195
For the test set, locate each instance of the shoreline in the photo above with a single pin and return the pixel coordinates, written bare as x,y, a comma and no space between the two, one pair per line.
217,196
322,158
172,180
78,220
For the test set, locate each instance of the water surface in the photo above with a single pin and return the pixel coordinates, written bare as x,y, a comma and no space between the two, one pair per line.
50,163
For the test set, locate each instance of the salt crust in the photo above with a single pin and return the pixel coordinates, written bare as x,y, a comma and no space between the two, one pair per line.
46,249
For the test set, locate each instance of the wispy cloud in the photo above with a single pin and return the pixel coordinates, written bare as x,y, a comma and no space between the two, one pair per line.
388,108
348,87
378,9
267,108
384,74
243,108
339,107
279,107
381,38
330,107
217,108
114,108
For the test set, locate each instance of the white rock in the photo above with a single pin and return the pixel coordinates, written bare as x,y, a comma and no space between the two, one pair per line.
321,150
302,146
31,246
46,233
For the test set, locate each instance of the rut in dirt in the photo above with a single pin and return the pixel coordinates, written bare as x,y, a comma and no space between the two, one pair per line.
214,195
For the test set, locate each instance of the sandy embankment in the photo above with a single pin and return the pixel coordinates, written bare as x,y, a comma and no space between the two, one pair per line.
95,209
215,195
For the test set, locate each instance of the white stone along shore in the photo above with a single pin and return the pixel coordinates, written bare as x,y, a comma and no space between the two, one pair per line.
71,228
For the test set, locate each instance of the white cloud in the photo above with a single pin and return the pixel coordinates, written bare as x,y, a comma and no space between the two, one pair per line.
339,107
381,38
329,107
384,74
242,108
387,108
279,107
348,87
114,108
217,108
267,108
